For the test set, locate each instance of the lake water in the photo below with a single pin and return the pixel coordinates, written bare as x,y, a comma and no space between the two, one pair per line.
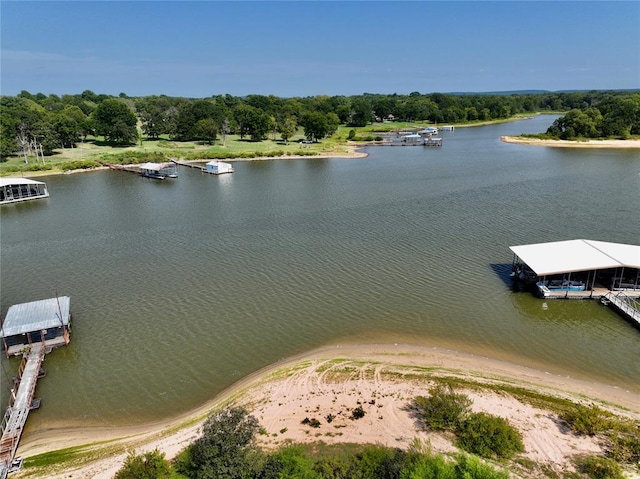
181,287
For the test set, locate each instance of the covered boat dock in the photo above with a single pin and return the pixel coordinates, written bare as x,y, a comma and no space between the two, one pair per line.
581,268
14,190
46,321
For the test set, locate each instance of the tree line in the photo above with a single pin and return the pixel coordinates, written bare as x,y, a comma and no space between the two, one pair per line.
45,123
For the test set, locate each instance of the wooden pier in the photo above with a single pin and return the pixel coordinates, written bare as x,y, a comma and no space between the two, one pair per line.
130,169
20,403
185,163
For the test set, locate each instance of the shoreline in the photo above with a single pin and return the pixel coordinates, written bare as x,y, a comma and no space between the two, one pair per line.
621,144
298,381
352,152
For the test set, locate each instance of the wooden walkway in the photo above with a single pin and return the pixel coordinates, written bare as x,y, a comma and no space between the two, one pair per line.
20,403
125,168
190,165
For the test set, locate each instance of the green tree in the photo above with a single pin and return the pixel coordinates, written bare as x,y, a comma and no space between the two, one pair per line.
287,128
316,125
116,122
67,130
362,113
189,114
207,130
150,465
226,448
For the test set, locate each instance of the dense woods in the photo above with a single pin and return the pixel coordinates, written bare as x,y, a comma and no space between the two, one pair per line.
42,123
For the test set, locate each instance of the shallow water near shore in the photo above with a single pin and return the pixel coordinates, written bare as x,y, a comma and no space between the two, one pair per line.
180,288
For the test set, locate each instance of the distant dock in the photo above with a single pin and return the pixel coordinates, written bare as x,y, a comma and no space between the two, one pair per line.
213,167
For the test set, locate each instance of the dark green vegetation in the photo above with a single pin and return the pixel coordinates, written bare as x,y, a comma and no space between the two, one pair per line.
39,126
613,117
478,433
227,449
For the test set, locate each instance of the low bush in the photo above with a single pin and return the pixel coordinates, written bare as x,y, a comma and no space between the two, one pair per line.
489,436
78,165
357,413
600,468
587,420
623,443
150,465
444,409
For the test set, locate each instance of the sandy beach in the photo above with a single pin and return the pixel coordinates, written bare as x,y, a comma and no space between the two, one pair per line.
634,144
331,381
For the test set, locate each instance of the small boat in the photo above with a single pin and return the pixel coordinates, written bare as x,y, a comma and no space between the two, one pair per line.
559,285
429,130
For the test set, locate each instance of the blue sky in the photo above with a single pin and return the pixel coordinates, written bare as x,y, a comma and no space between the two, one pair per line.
307,48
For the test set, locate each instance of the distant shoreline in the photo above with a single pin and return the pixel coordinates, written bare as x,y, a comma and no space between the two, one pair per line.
351,153
621,144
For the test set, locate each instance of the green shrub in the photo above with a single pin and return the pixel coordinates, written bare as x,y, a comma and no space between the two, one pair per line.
587,420
624,443
380,462
472,467
291,461
352,135
134,157
313,422
78,165
489,436
600,468
27,167
444,409
151,465
357,413
429,467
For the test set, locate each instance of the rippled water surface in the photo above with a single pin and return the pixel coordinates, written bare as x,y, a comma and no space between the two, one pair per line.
180,288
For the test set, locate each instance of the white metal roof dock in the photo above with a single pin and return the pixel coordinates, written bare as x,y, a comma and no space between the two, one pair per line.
577,255
583,269
36,316
13,190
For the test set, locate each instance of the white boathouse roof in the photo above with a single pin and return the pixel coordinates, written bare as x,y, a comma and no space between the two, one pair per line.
6,181
153,166
577,255
36,316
